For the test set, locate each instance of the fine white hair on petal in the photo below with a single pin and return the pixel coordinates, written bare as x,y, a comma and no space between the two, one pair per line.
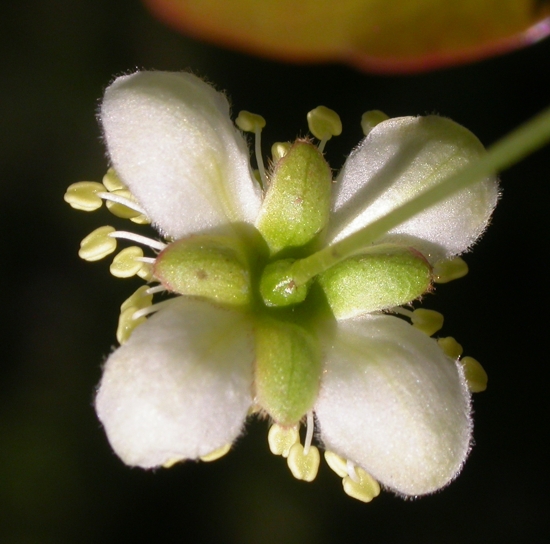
399,159
171,141
394,404
180,388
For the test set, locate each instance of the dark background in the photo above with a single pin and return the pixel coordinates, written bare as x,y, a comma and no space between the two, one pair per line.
59,480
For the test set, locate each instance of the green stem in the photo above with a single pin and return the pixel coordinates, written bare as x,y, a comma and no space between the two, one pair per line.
512,148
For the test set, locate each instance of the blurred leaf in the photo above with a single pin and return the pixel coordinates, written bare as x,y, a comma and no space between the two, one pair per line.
374,35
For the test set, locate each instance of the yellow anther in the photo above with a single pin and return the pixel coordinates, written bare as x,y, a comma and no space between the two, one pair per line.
171,462
112,181
450,347
97,244
372,118
138,300
146,272
141,220
120,210
216,454
427,321
336,463
475,374
127,264
303,467
449,270
127,324
324,123
364,489
249,122
83,195
279,150
281,439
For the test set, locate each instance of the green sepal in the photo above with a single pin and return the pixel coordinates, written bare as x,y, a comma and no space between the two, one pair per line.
297,204
214,267
288,369
385,277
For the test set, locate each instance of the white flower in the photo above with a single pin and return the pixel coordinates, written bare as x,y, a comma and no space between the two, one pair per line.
388,400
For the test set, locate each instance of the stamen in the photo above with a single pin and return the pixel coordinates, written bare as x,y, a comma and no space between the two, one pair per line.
112,182
153,244
216,454
281,439
171,462
357,483
449,270
279,150
402,311
475,374
151,309
140,220
364,489
148,260
123,200
372,118
324,123
251,122
427,321
127,322
127,263
303,466
450,347
309,432
350,468
336,463
84,195
139,299
146,272
156,289
98,244
258,153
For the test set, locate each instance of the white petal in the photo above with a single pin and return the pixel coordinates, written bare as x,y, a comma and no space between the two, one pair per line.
399,159
394,404
180,388
172,143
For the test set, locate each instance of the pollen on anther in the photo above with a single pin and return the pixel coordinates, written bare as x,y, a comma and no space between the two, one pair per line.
98,244
281,439
127,263
216,454
249,122
372,118
364,489
475,374
427,321
324,123
84,195
304,466
449,270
